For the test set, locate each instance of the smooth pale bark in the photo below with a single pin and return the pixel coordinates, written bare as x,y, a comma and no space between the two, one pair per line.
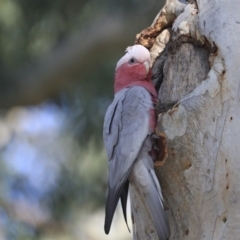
196,64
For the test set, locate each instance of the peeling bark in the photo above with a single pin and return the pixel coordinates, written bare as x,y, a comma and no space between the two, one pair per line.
195,59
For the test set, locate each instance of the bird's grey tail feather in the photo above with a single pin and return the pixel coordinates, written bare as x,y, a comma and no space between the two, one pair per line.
124,196
114,194
111,204
155,205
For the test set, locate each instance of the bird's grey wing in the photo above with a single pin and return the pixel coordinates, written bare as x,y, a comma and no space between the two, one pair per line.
113,114
125,128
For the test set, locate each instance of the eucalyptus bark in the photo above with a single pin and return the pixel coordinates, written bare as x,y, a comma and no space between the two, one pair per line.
195,63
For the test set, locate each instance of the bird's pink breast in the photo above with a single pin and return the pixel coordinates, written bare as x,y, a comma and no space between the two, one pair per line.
129,75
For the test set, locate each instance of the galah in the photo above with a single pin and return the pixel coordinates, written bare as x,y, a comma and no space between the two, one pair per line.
128,125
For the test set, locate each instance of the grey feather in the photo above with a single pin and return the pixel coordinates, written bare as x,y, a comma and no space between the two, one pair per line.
124,196
143,178
110,134
126,125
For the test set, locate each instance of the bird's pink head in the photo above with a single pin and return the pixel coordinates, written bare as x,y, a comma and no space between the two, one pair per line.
133,68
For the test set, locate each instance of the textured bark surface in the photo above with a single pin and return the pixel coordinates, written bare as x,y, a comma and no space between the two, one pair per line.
196,71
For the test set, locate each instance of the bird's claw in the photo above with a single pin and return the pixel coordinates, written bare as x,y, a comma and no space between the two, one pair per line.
154,136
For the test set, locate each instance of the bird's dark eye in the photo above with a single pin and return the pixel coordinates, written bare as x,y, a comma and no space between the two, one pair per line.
132,60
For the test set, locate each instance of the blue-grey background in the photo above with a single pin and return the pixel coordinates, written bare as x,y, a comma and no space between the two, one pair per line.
57,61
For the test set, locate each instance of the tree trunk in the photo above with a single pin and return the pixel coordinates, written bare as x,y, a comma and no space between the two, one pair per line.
195,54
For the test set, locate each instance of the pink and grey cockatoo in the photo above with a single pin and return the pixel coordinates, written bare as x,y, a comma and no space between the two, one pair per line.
128,125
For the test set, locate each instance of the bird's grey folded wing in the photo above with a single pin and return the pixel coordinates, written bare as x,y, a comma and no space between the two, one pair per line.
111,120
126,126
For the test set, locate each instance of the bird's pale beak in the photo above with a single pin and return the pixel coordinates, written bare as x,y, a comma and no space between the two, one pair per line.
147,66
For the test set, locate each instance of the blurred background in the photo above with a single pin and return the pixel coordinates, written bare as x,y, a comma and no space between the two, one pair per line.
57,61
